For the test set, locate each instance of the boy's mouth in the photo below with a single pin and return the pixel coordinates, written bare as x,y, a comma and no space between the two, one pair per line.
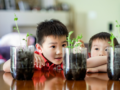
58,58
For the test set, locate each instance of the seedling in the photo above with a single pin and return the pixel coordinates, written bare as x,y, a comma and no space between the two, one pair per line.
74,40
26,40
112,36
75,59
16,28
118,26
70,42
112,40
15,19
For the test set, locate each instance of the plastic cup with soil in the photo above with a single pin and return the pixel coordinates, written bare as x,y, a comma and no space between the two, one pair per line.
113,65
74,63
22,62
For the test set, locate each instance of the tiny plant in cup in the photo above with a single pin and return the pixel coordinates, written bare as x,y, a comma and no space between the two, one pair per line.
113,64
22,59
76,68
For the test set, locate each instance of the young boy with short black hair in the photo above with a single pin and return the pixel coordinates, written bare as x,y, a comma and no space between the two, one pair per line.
98,52
51,38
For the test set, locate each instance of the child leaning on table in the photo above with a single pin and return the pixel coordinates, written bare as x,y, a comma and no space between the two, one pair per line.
51,38
98,44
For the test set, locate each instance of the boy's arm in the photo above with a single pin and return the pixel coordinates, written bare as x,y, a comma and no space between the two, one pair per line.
102,68
6,66
96,61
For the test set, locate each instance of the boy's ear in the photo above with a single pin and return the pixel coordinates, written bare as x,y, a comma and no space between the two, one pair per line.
39,48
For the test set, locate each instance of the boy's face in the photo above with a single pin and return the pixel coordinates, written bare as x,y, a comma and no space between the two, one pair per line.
52,48
99,47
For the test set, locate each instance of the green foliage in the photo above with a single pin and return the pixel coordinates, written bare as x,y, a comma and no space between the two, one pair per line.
76,40
112,36
118,26
112,40
16,28
71,42
15,19
26,40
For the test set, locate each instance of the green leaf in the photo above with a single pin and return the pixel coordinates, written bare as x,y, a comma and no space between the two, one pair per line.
110,37
116,21
116,25
70,33
23,39
15,19
27,34
81,36
14,28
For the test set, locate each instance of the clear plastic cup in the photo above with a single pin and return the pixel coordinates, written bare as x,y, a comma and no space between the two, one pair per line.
22,62
74,63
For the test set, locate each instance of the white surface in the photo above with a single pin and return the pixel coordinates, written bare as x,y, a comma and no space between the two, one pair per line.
28,18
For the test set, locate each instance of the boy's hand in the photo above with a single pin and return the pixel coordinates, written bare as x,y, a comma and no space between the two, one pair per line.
92,70
38,61
82,45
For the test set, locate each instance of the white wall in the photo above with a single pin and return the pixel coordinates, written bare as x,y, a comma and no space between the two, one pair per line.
93,16
28,18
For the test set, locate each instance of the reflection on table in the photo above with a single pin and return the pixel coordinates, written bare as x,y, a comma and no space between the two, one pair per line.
55,80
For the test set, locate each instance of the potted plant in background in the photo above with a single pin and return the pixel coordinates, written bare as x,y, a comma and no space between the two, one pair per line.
74,63
22,59
113,65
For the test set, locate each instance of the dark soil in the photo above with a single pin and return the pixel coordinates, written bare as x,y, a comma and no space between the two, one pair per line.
77,69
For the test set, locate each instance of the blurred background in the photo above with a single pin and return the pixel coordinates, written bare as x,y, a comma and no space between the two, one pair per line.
86,17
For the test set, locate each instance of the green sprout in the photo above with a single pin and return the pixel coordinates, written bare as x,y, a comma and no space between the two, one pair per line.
16,28
15,19
112,40
71,42
76,40
112,36
118,26
27,38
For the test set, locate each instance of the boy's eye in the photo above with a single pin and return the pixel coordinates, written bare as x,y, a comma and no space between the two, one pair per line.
105,49
53,46
96,49
64,45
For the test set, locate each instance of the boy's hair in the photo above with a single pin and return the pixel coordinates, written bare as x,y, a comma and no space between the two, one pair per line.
51,27
101,36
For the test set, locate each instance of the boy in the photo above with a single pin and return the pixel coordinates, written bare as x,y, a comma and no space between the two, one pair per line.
98,47
51,38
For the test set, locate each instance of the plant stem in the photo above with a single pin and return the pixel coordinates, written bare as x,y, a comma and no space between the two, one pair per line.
118,29
26,41
18,31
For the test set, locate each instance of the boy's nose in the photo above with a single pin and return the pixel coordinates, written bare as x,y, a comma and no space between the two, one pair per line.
101,53
59,51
